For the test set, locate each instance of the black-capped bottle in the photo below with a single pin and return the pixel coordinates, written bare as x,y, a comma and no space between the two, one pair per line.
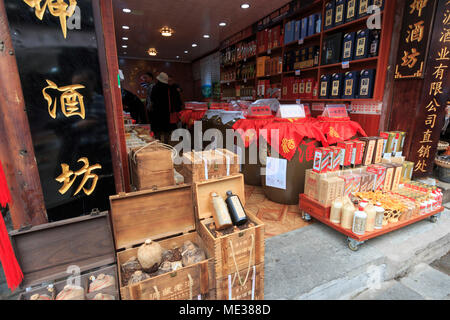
236,209
221,216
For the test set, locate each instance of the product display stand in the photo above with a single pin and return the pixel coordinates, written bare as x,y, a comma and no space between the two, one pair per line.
313,208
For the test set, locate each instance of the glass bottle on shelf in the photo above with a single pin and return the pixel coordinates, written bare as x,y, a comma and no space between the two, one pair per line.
221,215
236,209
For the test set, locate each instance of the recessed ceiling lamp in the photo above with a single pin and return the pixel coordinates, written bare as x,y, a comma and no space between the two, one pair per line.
194,45
166,32
125,38
222,24
126,10
124,47
206,36
152,52
178,57
245,6
125,27
186,52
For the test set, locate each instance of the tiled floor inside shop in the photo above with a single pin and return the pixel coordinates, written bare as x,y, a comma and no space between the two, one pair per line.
278,218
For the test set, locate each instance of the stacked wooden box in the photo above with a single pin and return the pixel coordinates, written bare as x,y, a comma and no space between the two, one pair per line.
151,167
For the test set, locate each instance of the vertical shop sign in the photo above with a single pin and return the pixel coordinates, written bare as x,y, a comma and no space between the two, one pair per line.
435,93
60,75
414,39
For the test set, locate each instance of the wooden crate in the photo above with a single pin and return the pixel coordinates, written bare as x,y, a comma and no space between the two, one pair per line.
160,215
151,167
246,246
46,251
212,164
230,288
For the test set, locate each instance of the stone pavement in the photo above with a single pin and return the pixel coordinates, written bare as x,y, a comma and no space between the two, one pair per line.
315,263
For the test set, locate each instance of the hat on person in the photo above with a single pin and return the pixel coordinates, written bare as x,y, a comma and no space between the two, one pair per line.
163,77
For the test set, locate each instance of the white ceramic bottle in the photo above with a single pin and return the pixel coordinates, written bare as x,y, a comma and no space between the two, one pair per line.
379,216
371,215
359,222
336,211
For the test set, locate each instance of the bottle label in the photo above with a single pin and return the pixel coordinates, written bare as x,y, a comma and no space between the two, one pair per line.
238,206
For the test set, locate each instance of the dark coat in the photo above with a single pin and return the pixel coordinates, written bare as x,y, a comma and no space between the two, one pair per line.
160,117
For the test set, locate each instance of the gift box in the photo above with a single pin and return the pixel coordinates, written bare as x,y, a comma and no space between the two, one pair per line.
356,182
324,91
309,84
351,83
322,158
363,5
379,150
369,150
329,14
362,43
304,29
336,85
332,47
312,20
348,183
339,16
358,151
348,46
297,27
347,147
289,32
366,84
351,10
388,177
397,176
380,172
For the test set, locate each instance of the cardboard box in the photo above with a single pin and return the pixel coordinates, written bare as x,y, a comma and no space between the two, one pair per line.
339,188
369,149
378,150
356,182
321,160
400,137
327,190
348,183
351,10
397,176
389,143
372,181
407,170
337,158
388,178
339,16
329,15
357,153
347,146
312,184
380,172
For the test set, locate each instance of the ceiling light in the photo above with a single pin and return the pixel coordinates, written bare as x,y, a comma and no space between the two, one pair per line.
166,32
245,6
194,45
124,53
206,36
125,27
178,57
222,24
124,47
152,52
125,38
126,10
186,52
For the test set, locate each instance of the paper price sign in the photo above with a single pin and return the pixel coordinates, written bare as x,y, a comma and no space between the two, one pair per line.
336,111
300,41
291,111
345,64
297,72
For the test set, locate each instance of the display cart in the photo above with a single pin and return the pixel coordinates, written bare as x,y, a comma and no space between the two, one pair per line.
312,208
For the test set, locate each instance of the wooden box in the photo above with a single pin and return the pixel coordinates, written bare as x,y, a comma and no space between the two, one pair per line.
247,246
212,164
167,213
46,252
151,167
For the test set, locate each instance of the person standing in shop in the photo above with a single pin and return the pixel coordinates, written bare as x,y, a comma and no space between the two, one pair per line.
165,108
148,83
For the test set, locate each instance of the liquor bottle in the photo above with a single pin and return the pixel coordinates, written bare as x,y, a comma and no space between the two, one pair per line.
348,212
221,215
379,216
236,209
374,44
371,216
359,222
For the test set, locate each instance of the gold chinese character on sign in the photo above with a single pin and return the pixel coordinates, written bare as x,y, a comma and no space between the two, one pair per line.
72,102
416,32
439,73
424,151
445,35
432,105
427,136
409,59
430,120
418,5
443,54
420,166
57,8
446,20
86,170
435,88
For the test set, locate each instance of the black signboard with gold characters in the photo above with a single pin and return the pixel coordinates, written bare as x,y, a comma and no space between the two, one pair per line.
435,94
57,56
414,39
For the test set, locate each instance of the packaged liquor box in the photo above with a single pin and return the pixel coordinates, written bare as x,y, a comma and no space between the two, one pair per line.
369,150
379,4
327,191
407,170
312,184
397,176
322,158
380,172
339,16
389,177
261,66
363,5
362,43
399,143
301,88
335,159
309,88
358,151
379,147
388,141
332,47
325,81
350,86
297,27
347,146
329,15
348,183
365,180
366,84
356,182
289,32
336,86
295,89
276,36
351,10
348,46
304,29
312,19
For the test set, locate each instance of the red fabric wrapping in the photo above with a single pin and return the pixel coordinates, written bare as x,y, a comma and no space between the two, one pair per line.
291,135
189,116
339,129
8,259
249,128
185,115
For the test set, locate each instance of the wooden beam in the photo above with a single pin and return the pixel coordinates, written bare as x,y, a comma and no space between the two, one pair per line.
109,66
16,146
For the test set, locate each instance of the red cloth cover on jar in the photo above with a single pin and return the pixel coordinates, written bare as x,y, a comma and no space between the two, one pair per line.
11,267
339,129
249,128
291,134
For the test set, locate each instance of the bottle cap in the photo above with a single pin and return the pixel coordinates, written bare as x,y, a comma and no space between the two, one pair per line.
229,193
214,194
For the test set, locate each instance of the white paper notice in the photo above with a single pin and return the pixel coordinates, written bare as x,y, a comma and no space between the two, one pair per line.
291,111
276,173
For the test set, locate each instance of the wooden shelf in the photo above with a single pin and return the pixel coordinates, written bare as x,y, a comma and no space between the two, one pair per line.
351,63
265,53
305,40
349,24
302,70
271,76
321,213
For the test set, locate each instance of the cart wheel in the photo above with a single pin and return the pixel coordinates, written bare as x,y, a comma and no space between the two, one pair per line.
352,246
434,219
306,217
